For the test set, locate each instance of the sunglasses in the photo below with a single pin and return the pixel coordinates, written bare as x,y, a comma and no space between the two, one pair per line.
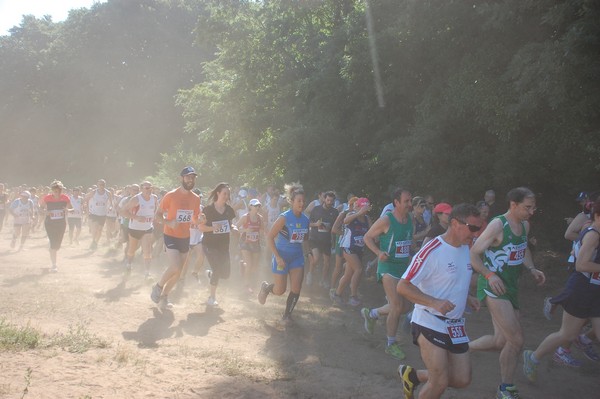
147,188
472,227
422,205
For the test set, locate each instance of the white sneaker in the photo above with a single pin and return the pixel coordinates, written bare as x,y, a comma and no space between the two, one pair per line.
212,302
164,303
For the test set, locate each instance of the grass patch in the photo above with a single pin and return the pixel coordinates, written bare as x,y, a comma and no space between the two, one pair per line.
16,338
77,339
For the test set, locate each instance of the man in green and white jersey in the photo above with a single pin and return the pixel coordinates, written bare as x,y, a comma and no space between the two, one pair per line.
394,231
499,256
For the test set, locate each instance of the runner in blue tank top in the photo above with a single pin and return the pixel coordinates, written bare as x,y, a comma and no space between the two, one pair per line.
285,239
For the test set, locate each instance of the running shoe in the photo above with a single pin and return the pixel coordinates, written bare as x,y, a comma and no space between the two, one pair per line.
286,321
263,293
354,301
212,302
529,366
332,293
337,300
156,291
407,385
394,350
164,303
510,393
369,321
54,269
547,308
588,350
563,356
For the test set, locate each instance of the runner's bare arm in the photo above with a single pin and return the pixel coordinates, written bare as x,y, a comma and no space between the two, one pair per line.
129,205
275,229
491,236
574,228
584,262
371,238
415,295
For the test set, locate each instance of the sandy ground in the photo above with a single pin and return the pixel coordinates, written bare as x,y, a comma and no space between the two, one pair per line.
237,351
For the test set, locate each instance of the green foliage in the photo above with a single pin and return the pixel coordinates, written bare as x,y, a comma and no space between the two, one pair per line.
94,96
477,94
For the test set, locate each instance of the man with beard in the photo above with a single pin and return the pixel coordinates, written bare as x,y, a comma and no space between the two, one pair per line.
322,218
178,209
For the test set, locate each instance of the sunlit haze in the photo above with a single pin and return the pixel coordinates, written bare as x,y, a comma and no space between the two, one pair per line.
12,11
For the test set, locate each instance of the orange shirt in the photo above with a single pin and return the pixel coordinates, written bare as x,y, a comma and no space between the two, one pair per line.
183,206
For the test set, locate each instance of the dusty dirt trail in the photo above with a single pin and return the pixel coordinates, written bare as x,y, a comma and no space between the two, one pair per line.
113,342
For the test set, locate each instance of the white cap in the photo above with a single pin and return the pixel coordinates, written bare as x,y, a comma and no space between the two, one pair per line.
243,193
254,202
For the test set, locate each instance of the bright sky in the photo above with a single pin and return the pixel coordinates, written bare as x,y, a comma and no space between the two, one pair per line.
12,11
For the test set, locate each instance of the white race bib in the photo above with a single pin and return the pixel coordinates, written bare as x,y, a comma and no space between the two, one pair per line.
456,331
403,249
297,235
221,227
184,215
359,241
252,236
56,214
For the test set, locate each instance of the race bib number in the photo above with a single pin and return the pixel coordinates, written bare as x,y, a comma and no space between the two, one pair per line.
403,249
456,331
517,254
298,235
75,213
221,227
56,214
595,278
100,204
252,236
359,241
184,215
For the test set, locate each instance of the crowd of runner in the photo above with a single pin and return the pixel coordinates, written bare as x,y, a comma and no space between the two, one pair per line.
435,262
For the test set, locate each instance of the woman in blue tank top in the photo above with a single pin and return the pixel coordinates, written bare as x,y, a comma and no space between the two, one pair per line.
285,239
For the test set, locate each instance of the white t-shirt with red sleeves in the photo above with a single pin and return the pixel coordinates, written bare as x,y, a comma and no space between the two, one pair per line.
443,272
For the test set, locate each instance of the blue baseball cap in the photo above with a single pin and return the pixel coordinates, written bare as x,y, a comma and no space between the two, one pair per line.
188,170
582,196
